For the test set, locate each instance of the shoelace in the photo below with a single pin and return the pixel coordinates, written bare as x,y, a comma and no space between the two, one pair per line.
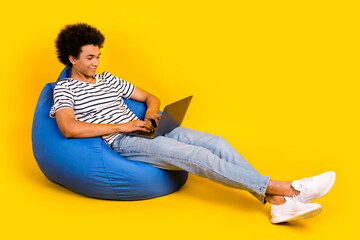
296,198
302,188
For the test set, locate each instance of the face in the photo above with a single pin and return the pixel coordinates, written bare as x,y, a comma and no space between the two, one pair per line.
88,60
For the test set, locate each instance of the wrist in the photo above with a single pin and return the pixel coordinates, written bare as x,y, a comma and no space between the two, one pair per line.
119,128
151,112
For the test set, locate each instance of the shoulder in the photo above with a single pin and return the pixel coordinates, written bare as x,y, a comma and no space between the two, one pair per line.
108,77
69,85
105,76
66,83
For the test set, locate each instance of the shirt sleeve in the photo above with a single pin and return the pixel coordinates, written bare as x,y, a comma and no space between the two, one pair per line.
125,88
63,98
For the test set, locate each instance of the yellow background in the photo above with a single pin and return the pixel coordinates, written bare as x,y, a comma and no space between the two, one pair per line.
277,79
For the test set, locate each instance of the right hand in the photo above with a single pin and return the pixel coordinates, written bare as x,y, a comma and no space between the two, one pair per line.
136,125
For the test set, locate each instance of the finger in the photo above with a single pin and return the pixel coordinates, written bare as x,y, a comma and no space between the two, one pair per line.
158,118
149,118
141,125
149,126
143,128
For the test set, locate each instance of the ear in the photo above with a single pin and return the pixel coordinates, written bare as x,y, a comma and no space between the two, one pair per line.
72,59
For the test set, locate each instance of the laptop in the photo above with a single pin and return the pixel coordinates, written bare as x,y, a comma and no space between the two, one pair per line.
171,118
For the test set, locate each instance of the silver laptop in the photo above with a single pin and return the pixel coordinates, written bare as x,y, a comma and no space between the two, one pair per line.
171,118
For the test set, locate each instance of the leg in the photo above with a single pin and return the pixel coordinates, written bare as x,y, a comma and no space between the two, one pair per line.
305,190
167,153
277,190
281,188
217,145
275,199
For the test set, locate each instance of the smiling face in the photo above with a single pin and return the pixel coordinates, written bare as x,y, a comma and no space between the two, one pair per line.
84,67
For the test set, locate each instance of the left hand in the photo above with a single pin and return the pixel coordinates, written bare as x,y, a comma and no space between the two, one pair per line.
155,116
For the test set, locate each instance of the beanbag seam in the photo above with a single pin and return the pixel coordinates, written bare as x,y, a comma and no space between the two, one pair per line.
106,172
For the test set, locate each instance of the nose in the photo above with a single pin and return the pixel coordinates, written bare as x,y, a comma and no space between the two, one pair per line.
95,62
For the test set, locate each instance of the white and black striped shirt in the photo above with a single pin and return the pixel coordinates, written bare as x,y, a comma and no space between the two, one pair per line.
95,103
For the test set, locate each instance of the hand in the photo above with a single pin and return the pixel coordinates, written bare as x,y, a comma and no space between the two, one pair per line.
152,116
136,125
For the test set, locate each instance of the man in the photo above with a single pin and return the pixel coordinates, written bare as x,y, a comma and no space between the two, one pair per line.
90,105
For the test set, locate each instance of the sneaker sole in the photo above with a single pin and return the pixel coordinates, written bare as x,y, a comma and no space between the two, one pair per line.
301,215
326,190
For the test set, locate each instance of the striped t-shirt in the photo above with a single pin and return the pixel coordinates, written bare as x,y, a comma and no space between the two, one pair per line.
95,103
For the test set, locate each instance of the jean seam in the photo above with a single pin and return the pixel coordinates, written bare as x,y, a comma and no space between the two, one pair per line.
184,161
185,139
120,142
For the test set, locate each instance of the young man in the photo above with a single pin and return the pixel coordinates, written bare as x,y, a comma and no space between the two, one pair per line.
91,105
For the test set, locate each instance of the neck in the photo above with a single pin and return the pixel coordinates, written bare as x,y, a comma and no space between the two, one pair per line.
80,77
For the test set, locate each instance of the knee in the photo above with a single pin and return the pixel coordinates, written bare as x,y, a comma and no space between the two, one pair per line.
218,144
220,141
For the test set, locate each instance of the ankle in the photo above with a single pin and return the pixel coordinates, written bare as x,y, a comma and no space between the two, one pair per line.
275,199
289,190
283,188
293,191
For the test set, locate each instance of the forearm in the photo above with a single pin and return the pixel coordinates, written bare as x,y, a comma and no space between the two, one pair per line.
153,104
71,128
77,129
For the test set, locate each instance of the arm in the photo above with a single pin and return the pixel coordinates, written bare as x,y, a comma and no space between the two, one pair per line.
152,103
71,128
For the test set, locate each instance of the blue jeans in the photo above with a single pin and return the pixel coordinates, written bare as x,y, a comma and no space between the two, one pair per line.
199,153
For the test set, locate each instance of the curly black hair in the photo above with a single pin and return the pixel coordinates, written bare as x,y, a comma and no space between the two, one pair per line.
72,37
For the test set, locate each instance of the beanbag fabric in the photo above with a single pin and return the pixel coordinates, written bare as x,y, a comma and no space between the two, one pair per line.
90,167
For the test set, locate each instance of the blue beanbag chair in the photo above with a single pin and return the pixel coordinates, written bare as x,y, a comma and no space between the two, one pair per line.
88,166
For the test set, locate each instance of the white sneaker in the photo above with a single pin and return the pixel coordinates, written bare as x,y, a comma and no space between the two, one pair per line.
293,210
315,187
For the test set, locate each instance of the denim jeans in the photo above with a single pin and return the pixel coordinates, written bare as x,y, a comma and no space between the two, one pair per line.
199,153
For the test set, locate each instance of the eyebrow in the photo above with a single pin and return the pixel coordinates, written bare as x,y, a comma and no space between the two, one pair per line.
92,55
